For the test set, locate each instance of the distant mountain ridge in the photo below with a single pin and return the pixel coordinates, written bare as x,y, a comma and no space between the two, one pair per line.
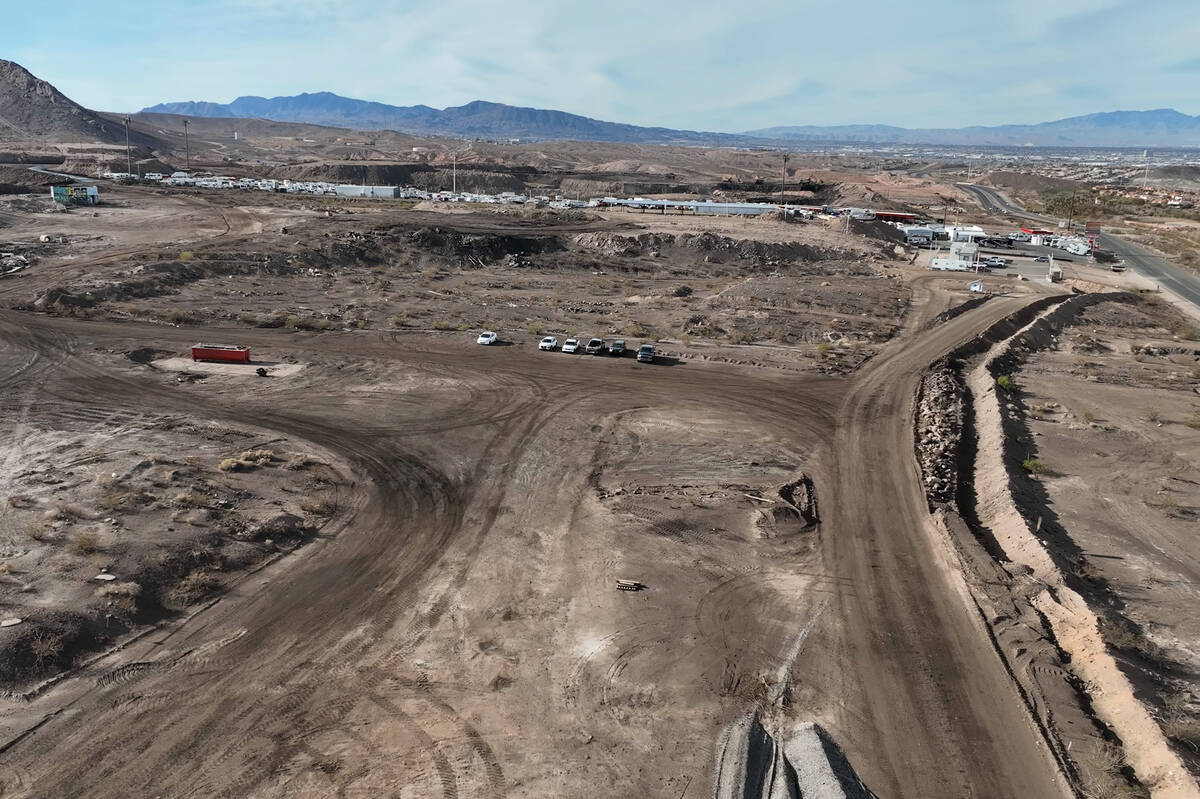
476,119
1162,127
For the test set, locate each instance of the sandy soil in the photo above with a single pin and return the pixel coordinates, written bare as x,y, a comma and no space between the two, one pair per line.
1117,429
455,629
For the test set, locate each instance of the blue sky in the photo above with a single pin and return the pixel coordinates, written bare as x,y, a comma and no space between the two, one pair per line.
723,66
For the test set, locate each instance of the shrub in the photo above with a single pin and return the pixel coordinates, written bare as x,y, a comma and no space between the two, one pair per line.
682,291
292,321
257,457
318,506
533,329
84,543
1194,421
186,255
194,499
399,320
1152,415
441,324
1006,382
230,465
1034,466
45,646
297,462
823,349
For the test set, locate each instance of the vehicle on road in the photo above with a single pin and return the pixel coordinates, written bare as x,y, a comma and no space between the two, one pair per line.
617,348
486,337
595,347
571,345
645,353
1041,259
1118,267
549,343
996,263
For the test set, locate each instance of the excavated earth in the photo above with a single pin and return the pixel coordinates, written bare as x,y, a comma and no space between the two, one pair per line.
454,628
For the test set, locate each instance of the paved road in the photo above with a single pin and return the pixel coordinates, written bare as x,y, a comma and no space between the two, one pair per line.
1169,276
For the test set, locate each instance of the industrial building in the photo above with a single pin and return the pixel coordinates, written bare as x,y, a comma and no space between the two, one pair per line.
389,192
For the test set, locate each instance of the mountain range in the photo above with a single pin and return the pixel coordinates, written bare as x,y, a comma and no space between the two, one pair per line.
1158,128
32,108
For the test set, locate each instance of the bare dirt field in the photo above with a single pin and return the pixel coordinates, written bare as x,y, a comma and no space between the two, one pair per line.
1115,425
444,617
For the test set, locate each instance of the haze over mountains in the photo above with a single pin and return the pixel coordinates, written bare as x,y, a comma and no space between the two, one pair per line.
1157,128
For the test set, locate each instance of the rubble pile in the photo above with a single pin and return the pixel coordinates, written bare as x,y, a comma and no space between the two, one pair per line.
938,431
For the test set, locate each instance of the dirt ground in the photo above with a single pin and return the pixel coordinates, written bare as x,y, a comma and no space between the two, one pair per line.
452,625
1116,420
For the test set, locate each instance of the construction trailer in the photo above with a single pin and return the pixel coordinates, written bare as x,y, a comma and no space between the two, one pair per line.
75,195
389,192
226,353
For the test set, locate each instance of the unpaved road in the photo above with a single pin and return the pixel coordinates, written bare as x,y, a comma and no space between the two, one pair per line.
359,666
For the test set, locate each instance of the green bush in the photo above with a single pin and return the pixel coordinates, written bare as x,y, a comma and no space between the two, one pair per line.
1034,466
1006,382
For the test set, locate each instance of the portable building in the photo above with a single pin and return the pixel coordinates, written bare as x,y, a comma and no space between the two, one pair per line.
368,191
75,195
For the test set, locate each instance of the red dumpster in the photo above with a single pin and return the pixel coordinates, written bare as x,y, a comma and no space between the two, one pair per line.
220,352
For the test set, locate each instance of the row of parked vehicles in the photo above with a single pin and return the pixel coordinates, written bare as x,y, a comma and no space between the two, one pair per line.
596,346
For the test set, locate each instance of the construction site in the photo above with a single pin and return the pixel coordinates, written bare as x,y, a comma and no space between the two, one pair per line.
279,521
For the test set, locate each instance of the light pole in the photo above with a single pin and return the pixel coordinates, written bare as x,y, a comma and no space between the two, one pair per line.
187,152
128,156
783,184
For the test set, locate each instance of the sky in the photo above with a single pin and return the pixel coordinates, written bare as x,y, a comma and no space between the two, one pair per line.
698,65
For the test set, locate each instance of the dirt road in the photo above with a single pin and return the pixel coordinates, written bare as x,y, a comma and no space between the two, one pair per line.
456,635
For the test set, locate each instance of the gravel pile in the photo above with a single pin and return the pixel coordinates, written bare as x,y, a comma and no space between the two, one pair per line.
938,431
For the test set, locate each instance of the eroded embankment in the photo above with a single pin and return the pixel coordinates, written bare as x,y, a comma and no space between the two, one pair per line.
1103,738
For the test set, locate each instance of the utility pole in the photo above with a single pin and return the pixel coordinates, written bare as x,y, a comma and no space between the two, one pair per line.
186,149
454,172
128,156
783,185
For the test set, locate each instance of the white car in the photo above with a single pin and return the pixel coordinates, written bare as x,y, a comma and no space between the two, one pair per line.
549,343
486,337
571,345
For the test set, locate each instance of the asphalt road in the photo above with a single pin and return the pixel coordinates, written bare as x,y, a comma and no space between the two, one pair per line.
1167,275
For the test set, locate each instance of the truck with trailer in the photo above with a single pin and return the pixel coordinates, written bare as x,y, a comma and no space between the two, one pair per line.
225,353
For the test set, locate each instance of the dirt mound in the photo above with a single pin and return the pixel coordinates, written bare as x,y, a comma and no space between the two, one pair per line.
481,247
714,246
19,180
880,231
484,178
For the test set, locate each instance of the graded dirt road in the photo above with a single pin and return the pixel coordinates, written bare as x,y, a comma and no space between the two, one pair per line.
457,634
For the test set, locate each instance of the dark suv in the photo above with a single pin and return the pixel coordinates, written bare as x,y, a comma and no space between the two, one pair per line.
617,348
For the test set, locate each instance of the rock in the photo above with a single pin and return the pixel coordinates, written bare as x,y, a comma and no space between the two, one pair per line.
13,622
105,577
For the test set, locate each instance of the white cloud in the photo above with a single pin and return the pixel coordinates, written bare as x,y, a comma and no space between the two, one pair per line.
700,64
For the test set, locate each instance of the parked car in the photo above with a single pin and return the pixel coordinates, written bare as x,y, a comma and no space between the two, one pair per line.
1041,259
595,347
571,345
645,353
617,348
549,343
486,337
996,263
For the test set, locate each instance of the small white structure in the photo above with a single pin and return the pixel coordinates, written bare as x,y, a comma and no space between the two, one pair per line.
950,265
976,286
